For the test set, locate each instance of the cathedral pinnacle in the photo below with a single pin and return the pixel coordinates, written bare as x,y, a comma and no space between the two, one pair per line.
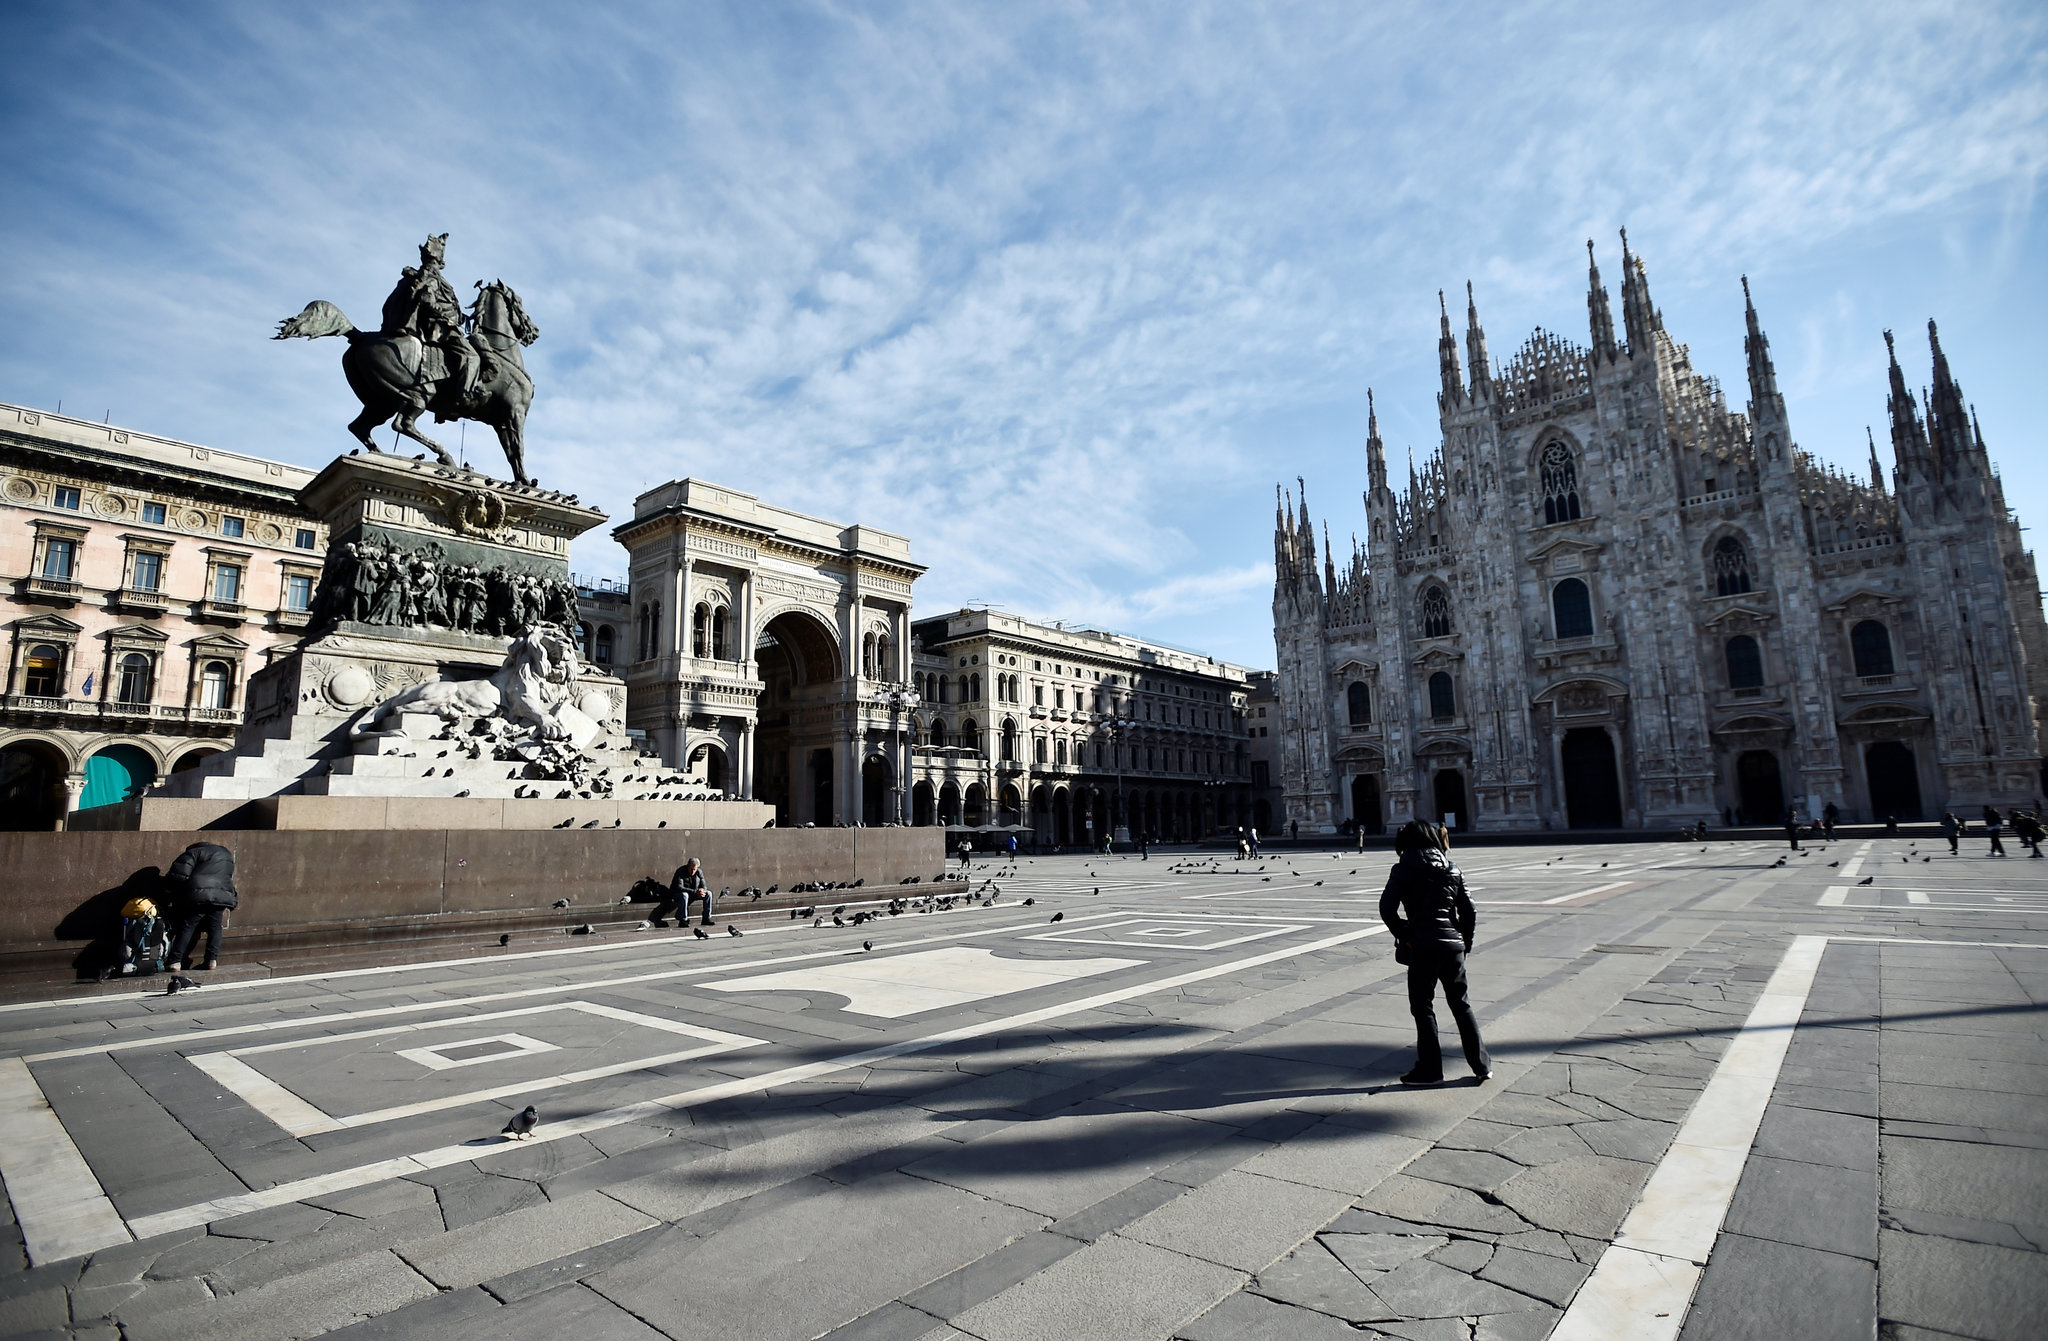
1909,442
1475,348
1637,313
1599,315
1876,470
1447,355
1375,450
1763,378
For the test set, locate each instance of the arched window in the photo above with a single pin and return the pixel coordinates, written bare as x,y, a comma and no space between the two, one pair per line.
883,670
1059,751
217,685
583,640
938,736
700,631
1443,699
1872,644
974,683
718,634
1572,605
602,654
43,676
1038,749
945,687
1559,476
1731,567
1358,701
1436,612
135,679
1745,663
970,736
1009,740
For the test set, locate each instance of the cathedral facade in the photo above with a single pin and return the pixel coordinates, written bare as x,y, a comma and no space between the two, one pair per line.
1609,601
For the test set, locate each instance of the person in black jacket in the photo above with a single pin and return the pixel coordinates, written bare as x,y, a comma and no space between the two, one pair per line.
1427,909
688,883
203,881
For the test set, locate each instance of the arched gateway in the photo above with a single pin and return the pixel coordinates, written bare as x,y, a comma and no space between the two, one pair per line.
806,697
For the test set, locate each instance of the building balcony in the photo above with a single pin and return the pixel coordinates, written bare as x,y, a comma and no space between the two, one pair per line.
142,600
52,590
1878,684
293,619
223,612
1759,696
39,706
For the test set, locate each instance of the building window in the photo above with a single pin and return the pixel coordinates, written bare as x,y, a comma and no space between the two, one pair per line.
302,538
1038,696
64,496
1731,567
217,685
1009,741
135,679
700,631
1038,749
1436,612
1572,605
231,527
602,654
583,640
148,572
1560,478
1358,702
298,592
1872,644
44,672
970,736
718,634
60,559
154,514
1745,663
938,736
1443,699
227,584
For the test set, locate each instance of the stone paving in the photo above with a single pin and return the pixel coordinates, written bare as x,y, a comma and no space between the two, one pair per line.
1171,1115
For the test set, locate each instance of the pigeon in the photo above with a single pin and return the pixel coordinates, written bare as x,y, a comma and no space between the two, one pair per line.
505,939
1029,902
838,921
1098,888
464,792
561,903
732,930
1603,865
590,824
585,930
700,933
1832,863
1903,859
1866,880
179,983
1058,916
867,945
522,1125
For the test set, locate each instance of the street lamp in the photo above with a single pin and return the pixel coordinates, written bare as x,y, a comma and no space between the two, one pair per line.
1116,728
900,698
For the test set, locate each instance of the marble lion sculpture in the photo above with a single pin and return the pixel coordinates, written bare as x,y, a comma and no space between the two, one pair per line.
536,685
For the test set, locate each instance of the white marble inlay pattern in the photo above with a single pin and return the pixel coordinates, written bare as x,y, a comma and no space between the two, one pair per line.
436,1058
894,986
1180,933
61,1207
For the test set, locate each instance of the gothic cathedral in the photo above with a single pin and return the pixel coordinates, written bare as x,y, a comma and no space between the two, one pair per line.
1609,601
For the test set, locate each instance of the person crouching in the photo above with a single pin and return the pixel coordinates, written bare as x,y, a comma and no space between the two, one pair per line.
1427,909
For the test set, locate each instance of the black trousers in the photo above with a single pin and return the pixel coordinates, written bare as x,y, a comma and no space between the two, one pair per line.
189,925
1432,966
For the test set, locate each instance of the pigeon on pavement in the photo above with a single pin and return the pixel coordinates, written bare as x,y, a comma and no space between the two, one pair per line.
1866,879
867,945
731,930
700,933
561,903
179,983
1057,916
522,1124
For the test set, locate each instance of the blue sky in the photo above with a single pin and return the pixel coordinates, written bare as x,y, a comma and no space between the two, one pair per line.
1058,290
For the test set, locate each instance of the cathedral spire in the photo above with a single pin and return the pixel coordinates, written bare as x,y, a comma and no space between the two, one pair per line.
1948,420
1909,442
1475,349
1598,313
1329,559
1447,355
1638,314
1763,378
1375,449
1876,470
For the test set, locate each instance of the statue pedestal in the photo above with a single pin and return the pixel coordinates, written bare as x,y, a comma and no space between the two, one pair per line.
434,578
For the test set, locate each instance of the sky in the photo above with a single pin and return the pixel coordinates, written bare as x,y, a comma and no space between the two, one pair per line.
1058,291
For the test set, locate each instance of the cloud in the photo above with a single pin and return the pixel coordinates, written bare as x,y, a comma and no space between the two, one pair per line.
1056,291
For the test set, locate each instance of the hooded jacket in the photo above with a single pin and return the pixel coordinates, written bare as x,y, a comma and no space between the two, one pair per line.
204,876
1425,903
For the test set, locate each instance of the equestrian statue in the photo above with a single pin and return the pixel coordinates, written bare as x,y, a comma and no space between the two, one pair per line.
432,355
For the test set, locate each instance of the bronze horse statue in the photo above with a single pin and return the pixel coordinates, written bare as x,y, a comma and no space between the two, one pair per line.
398,377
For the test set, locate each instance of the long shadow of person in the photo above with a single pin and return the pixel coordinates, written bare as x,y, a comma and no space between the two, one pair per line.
97,921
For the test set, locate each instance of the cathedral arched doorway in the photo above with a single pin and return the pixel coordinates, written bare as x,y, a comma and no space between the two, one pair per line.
1759,785
1365,804
707,767
1449,790
1592,787
1894,781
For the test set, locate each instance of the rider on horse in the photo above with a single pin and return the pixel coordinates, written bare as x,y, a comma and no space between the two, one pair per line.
424,306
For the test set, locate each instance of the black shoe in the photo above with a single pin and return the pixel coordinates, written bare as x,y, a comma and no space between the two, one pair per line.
1417,1078
1481,1077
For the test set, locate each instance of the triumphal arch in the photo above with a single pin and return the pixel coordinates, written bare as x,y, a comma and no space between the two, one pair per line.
769,655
